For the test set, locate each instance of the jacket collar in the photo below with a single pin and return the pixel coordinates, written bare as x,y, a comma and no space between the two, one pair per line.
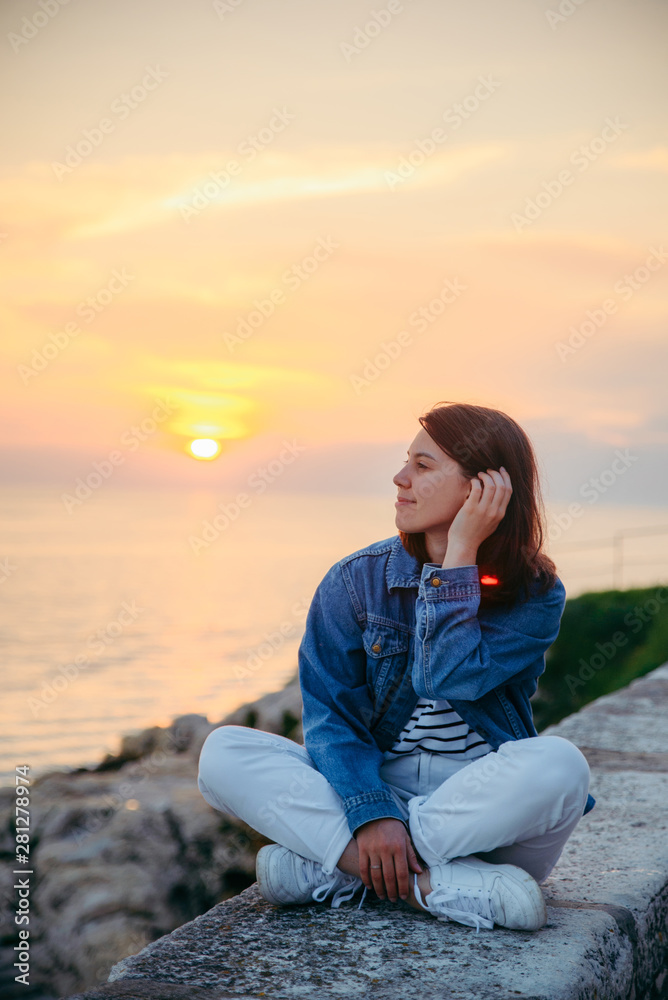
402,569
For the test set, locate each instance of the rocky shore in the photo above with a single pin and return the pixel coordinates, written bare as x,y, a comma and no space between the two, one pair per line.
126,852
133,869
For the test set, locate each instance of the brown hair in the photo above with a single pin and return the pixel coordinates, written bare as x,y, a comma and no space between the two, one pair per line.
479,438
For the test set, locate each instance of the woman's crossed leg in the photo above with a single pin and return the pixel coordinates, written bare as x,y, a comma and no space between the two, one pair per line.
516,806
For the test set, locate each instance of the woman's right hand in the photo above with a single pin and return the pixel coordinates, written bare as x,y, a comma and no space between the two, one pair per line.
386,842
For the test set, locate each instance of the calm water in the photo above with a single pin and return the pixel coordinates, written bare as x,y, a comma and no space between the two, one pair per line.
161,631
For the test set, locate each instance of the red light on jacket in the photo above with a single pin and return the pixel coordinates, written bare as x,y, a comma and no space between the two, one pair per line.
488,579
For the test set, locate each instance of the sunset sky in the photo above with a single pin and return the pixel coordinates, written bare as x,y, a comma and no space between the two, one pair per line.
215,216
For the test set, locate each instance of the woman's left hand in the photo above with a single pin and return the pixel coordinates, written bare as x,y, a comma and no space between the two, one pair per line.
482,511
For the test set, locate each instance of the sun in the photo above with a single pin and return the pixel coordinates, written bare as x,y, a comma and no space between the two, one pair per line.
204,448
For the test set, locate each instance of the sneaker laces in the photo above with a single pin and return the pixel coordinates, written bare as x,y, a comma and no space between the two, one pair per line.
347,886
475,911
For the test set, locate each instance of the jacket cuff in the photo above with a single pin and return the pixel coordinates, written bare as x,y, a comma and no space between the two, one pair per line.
454,581
377,804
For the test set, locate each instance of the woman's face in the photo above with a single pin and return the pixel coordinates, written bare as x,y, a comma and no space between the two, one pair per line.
433,482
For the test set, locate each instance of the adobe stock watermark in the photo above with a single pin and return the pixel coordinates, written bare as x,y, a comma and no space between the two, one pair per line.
226,852
606,651
275,807
420,319
131,439
218,180
223,7
474,445
133,942
6,569
121,108
259,481
454,116
96,643
592,490
235,846
134,773
31,26
364,34
464,450
292,278
88,310
475,777
562,13
581,158
273,641
624,289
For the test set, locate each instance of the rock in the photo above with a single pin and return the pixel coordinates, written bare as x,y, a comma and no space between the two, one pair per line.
247,947
279,712
127,851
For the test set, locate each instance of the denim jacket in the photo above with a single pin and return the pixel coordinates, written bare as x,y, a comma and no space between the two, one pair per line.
382,633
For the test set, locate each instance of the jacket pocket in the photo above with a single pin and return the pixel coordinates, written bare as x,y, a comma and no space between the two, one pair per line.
512,715
387,651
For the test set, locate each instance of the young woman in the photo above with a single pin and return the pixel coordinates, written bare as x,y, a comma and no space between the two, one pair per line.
422,775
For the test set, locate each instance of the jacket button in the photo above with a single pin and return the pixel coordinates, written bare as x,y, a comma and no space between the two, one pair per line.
376,647
435,582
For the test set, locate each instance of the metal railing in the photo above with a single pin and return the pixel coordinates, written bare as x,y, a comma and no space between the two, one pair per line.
616,541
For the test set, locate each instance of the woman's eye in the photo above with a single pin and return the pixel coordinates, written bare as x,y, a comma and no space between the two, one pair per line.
421,465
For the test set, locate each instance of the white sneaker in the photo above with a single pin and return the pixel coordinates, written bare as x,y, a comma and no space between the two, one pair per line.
471,891
284,877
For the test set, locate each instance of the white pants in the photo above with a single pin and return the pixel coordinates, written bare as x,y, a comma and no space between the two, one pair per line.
518,805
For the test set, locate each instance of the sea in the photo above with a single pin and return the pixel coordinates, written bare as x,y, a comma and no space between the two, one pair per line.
141,605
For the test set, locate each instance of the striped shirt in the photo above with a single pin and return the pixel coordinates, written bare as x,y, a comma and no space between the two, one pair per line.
436,727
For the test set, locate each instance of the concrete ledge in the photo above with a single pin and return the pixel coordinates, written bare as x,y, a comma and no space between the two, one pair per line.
606,936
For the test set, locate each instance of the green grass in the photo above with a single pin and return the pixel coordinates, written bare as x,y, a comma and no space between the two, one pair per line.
607,638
